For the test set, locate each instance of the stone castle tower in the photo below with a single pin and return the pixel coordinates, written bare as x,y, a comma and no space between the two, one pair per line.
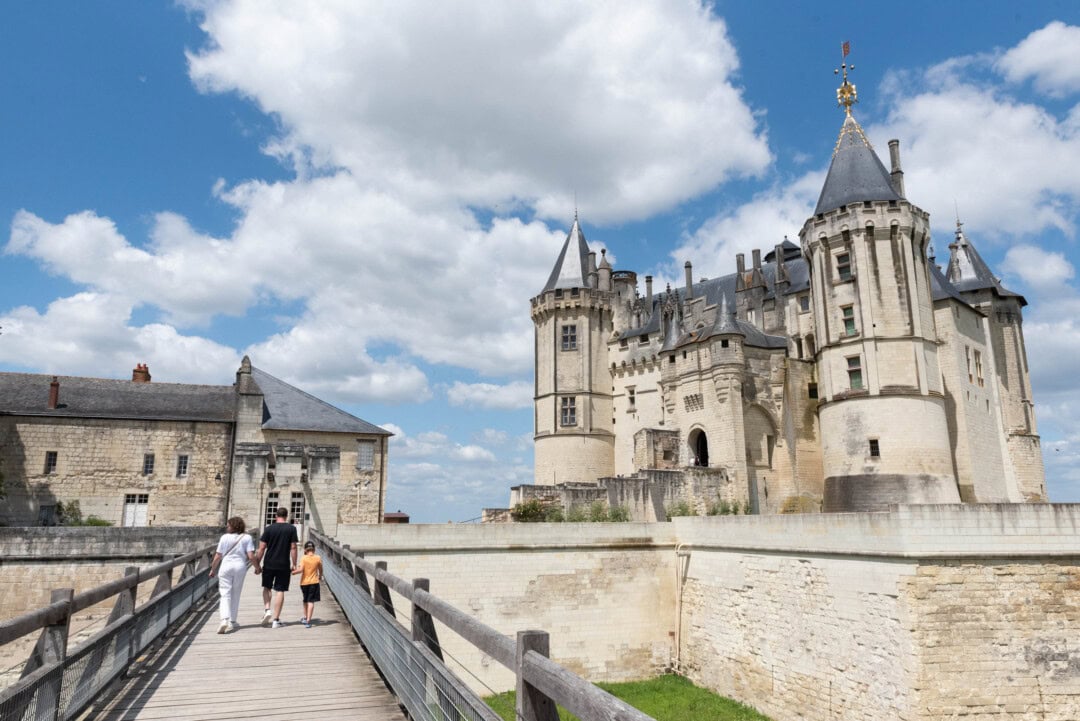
848,372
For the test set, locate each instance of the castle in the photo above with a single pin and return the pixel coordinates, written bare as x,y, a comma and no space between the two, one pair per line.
849,372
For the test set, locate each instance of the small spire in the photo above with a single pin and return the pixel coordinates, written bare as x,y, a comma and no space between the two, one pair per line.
846,96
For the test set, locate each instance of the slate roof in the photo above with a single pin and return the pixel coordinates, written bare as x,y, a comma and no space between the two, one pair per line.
940,287
572,267
289,408
968,271
28,394
855,174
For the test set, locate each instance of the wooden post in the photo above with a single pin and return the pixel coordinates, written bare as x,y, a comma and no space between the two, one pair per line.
164,581
51,648
382,593
125,600
360,578
532,705
423,626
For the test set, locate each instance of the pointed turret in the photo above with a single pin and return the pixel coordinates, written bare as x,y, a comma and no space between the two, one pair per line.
572,267
856,174
725,324
968,271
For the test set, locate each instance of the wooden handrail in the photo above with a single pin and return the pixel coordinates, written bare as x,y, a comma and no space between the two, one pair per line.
580,697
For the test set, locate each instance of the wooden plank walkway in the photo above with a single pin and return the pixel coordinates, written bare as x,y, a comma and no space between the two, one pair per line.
257,673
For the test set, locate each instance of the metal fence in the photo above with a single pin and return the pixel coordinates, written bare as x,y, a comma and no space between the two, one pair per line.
411,660
59,684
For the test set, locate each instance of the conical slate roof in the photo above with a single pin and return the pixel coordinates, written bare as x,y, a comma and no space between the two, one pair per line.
726,322
572,268
856,173
968,271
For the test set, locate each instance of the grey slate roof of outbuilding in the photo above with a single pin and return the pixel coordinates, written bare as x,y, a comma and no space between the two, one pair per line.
289,408
572,268
855,174
28,394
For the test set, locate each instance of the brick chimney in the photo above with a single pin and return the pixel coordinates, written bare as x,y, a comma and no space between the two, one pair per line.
54,392
141,374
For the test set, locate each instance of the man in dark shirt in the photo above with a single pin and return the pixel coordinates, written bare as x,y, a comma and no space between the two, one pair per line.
277,556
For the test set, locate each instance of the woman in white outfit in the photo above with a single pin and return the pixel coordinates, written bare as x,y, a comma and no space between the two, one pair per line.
234,551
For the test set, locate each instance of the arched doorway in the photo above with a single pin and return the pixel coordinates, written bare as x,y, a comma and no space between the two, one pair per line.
760,433
699,447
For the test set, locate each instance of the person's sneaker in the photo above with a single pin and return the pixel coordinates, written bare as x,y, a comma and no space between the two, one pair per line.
307,623
303,620
233,625
267,617
224,627
277,624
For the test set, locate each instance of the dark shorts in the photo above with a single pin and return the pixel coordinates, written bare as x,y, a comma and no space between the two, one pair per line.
276,578
311,593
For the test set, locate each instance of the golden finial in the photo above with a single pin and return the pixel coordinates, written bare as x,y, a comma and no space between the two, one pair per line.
845,94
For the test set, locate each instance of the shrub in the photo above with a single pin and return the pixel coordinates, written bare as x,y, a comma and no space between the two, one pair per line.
531,511
619,514
681,508
800,504
577,514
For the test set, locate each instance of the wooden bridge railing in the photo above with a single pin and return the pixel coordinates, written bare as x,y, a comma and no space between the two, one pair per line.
59,683
411,660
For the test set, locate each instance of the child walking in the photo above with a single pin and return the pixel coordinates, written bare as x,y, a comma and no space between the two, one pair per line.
310,567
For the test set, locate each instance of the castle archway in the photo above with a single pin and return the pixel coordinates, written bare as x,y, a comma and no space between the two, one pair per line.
760,430
699,447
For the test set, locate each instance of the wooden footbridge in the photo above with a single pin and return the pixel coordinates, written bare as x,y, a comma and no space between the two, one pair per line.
164,659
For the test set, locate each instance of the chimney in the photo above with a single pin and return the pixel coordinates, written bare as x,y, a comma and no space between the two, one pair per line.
141,374
897,175
54,392
592,269
740,271
648,292
757,259
689,280
781,269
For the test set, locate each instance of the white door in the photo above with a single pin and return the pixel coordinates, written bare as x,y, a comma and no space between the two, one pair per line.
135,507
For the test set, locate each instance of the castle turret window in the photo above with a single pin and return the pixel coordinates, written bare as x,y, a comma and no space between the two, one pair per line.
568,415
848,313
843,266
854,371
569,337
804,303
875,449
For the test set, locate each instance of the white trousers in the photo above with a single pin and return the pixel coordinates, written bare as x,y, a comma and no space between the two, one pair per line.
230,583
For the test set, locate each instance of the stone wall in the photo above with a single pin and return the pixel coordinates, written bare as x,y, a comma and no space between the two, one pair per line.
922,612
605,591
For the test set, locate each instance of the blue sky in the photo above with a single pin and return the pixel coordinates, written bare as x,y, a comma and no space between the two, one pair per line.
364,197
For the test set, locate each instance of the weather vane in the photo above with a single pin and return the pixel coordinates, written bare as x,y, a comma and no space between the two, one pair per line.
845,94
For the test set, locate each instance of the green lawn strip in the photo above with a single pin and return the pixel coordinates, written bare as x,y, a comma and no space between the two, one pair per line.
667,698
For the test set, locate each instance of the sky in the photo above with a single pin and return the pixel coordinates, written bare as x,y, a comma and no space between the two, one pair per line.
363,196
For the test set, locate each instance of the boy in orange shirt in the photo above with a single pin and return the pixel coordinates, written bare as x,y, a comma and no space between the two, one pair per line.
311,568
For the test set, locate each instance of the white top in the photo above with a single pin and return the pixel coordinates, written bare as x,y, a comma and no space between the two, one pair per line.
239,554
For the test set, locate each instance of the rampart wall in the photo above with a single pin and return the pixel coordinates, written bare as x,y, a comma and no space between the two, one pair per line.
922,612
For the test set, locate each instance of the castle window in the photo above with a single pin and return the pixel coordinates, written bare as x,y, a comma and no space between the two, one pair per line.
978,368
867,204
854,372
558,292
843,266
365,455
569,337
296,507
848,313
631,397
644,340
811,390
671,358
622,343
568,416
967,355
875,449
804,303
181,466
574,292
724,343
148,464
50,462
271,508
684,355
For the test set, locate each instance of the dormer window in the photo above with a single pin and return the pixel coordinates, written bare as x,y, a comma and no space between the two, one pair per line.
574,292
558,292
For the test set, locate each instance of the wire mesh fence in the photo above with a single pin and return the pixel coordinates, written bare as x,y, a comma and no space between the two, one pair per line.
423,684
63,690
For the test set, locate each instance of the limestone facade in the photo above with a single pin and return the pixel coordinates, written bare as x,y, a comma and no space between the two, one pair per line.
140,453
846,372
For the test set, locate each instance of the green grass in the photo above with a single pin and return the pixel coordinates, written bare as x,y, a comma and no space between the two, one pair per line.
667,698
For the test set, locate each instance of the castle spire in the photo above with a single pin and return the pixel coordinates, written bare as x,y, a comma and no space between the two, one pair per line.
572,266
846,95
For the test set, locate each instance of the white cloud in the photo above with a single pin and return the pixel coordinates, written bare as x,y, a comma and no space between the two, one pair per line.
1038,268
90,334
1008,165
518,394
633,108
492,437
1049,56
473,454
